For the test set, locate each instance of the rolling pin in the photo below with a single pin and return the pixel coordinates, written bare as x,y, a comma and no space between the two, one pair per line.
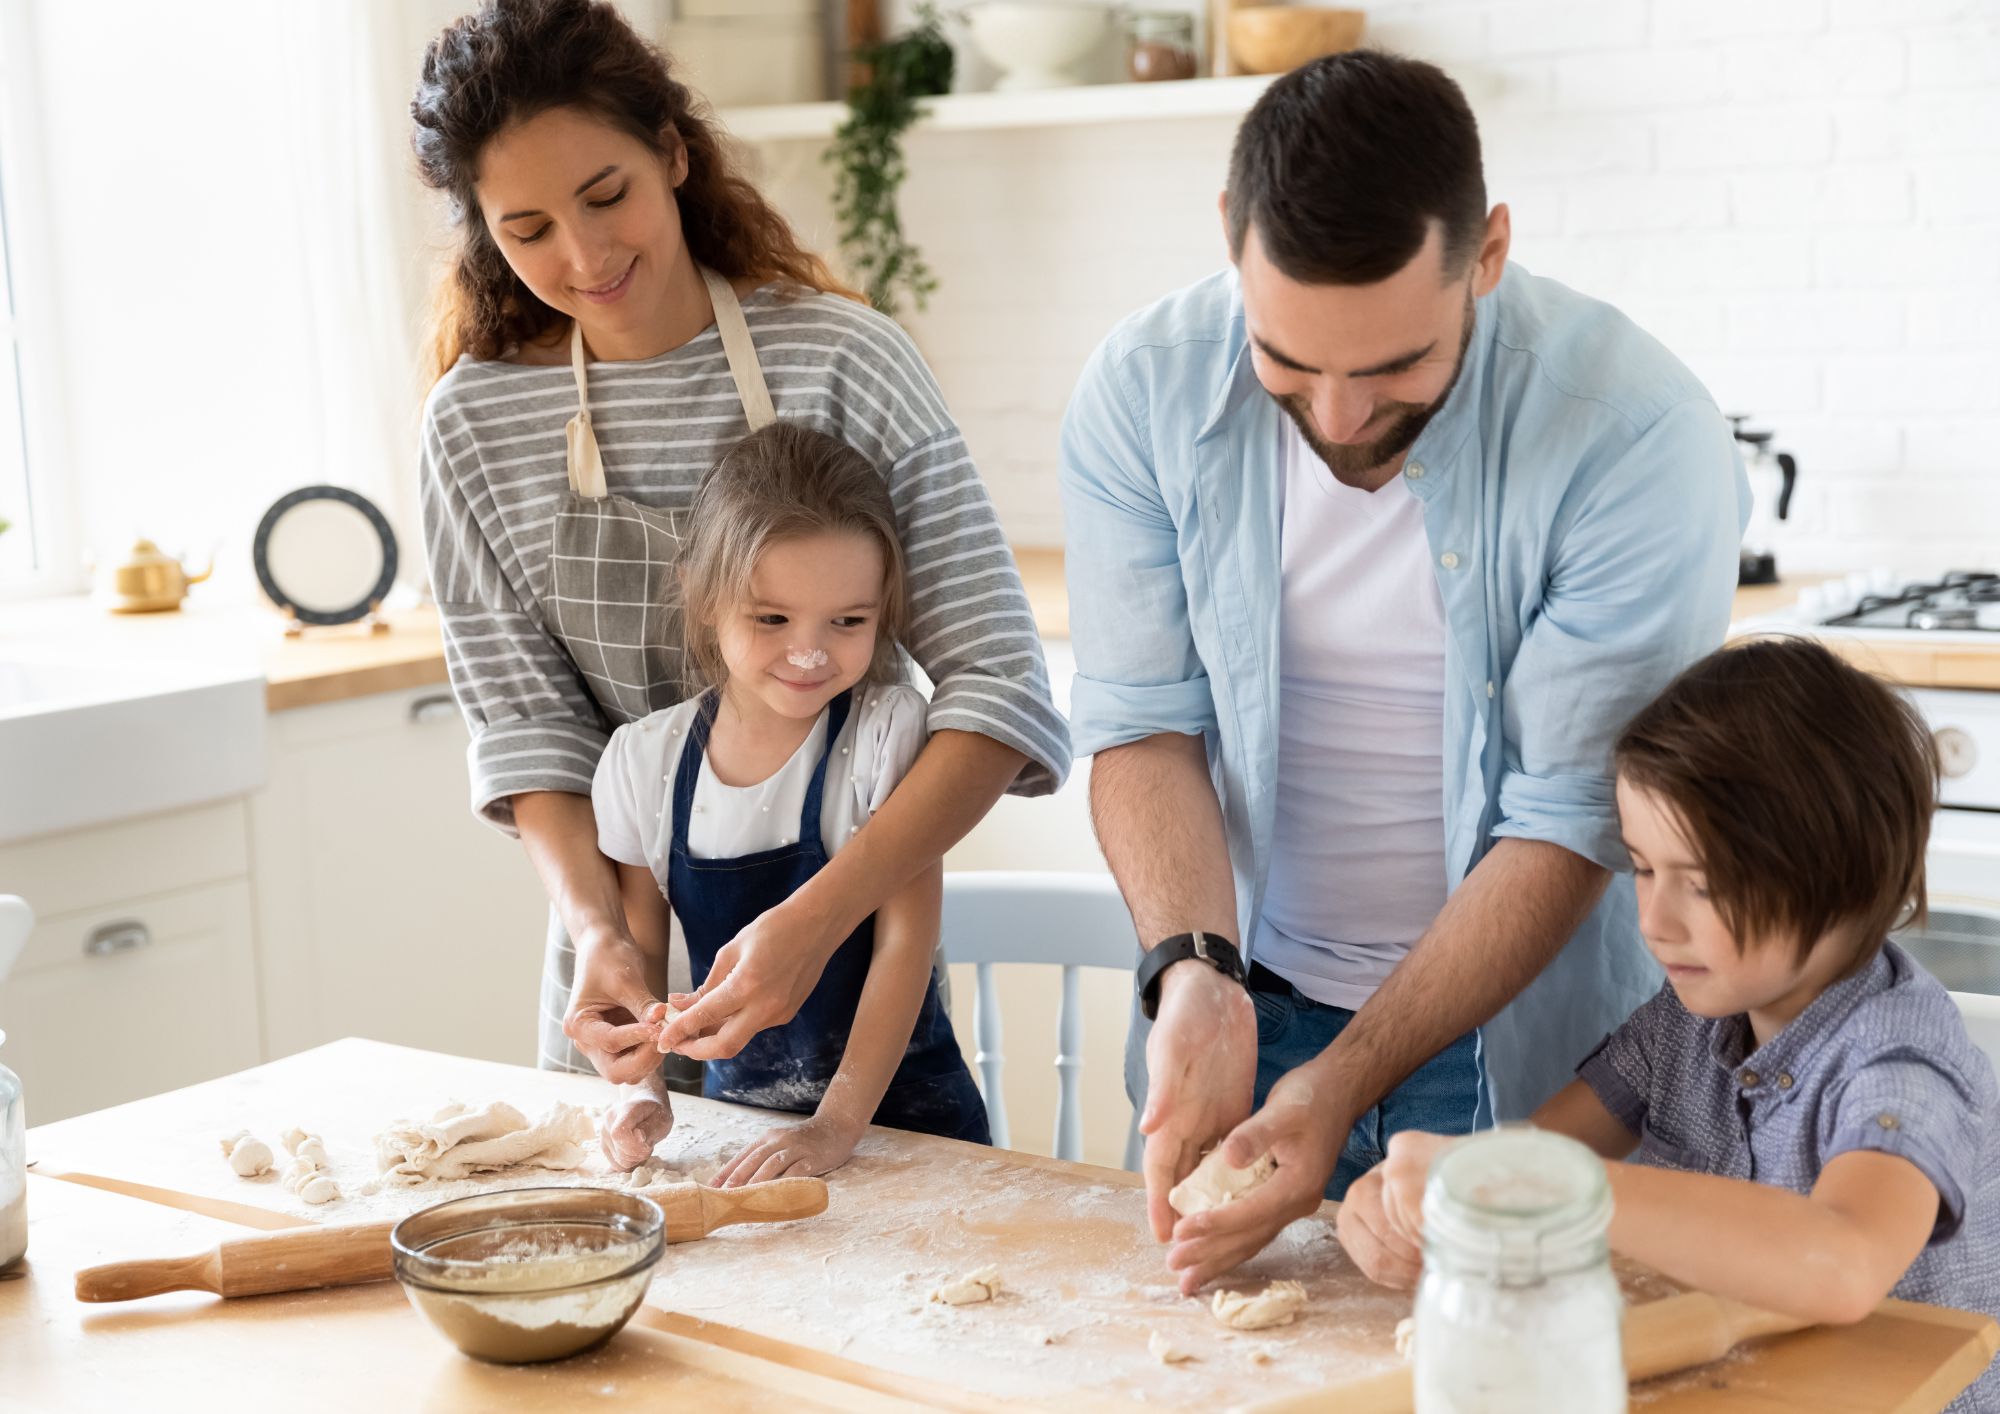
1661,1337
300,1259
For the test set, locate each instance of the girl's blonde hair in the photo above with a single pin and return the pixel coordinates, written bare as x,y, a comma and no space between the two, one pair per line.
779,483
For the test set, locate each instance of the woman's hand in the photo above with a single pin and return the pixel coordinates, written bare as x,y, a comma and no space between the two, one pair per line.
1369,1239
606,1006
633,1126
760,979
820,1145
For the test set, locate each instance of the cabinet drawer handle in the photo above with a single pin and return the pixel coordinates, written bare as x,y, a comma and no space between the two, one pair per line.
128,935
433,707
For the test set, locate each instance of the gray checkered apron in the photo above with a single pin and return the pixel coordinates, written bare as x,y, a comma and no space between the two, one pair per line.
613,601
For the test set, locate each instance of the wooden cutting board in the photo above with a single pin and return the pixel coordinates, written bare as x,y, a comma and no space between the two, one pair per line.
1085,1284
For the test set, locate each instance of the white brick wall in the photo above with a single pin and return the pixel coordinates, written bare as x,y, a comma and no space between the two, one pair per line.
1800,197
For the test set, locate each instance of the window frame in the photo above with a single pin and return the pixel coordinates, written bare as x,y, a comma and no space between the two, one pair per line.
31,246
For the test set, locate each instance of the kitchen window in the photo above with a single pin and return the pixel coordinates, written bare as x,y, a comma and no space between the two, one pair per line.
38,552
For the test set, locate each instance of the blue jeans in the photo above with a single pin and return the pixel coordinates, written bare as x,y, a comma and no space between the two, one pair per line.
1441,1097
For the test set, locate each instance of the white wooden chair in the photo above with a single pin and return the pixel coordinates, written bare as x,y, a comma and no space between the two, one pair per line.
1071,921
17,920
1982,1019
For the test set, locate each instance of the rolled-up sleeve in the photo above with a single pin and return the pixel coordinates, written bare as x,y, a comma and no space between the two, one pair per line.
1641,586
534,725
1906,1102
1138,672
971,628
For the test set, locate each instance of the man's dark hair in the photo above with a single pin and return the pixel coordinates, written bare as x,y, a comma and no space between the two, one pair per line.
1345,163
1804,787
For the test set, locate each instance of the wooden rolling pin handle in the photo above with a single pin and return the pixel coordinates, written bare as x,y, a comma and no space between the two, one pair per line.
128,1281
1681,1332
694,1210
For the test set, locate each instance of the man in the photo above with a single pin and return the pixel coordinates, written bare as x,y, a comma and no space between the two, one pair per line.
1374,543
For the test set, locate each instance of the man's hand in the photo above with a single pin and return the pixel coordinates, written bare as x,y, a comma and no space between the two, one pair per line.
760,979
1201,1071
1304,1131
1369,1239
606,1004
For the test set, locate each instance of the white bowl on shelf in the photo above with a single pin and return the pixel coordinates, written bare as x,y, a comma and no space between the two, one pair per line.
1037,43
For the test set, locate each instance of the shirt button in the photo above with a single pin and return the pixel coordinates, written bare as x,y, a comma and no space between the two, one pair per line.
1750,1079
1888,1121
1490,689
1415,471
1449,559
1784,1081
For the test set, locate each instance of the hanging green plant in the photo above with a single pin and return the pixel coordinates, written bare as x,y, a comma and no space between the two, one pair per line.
867,154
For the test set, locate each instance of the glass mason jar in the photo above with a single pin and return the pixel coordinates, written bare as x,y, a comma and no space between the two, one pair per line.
1161,46
13,1168
1518,1312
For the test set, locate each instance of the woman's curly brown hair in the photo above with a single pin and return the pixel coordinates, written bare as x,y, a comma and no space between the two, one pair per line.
513,59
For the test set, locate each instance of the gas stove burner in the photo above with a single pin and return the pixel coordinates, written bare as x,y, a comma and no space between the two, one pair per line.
1933,616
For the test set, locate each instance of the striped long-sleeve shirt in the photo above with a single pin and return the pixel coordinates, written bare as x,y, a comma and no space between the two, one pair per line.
494,477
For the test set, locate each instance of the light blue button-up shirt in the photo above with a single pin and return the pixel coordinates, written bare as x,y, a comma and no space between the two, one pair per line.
1584,503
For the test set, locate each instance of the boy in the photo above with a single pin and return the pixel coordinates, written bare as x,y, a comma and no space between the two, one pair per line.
1798,1119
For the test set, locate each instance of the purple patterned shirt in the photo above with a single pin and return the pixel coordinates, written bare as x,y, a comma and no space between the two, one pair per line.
1880,1060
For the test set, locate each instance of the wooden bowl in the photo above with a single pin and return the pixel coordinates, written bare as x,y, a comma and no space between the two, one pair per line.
1274,39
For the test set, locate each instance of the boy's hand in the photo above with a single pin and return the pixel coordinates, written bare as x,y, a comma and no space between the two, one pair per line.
817,1146
1382,1253
1405,1172
633,1127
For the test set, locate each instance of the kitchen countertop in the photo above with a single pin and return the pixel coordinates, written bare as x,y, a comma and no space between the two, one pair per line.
825,1313
334,664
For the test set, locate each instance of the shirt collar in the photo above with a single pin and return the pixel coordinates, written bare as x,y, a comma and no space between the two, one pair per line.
1781,1059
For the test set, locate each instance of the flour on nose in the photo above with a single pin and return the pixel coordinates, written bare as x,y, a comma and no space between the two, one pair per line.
806,659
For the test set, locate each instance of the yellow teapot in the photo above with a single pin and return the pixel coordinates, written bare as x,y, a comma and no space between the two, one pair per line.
151,580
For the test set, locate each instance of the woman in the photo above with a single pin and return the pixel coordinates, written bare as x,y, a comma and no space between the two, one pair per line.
624,307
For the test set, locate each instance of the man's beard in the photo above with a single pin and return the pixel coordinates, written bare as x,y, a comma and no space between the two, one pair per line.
1350,463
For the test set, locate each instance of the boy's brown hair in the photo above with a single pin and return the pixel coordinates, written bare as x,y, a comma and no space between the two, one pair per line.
1804,786
783,481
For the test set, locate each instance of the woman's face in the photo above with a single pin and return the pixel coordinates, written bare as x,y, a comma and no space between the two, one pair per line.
807,632
585,214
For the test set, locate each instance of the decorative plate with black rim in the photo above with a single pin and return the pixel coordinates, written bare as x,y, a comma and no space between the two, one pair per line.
325,555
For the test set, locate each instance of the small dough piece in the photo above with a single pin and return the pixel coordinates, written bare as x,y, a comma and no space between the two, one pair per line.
318,1188
1216,1181
1165,1351
250,1156
308,1176
1276,1305
970,1289
1406,1337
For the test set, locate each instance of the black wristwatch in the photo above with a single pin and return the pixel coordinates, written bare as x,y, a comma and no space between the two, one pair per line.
1217,952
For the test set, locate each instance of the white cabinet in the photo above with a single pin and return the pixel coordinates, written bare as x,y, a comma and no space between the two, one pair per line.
140,975
384,908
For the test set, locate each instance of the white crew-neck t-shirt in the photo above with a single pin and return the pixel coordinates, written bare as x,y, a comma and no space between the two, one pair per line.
1357,871
633,792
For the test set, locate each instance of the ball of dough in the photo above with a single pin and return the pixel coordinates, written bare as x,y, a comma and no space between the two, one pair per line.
1165,1351
1216,1181
973,1287
1406,1336
247,1155
1276,1305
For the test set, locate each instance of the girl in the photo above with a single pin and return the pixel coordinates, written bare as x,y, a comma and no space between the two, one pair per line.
588,372
722,807
1798,1120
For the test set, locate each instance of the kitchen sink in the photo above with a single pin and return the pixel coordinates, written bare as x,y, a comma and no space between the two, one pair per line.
84,742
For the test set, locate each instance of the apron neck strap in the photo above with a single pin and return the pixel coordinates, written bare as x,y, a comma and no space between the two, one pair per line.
581,457
741,353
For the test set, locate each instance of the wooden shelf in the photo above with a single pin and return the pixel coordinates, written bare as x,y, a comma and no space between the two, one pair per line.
1044,108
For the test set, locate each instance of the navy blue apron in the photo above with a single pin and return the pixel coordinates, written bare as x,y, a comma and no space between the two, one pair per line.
788,1067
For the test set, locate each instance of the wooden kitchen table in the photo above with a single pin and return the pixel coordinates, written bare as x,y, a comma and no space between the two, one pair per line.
828,1313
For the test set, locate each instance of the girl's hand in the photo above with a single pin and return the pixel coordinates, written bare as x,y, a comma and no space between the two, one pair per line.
633,1127
818,1146
1370,1242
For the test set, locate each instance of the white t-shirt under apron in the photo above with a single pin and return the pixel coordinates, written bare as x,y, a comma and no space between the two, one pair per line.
633,791
1357,869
